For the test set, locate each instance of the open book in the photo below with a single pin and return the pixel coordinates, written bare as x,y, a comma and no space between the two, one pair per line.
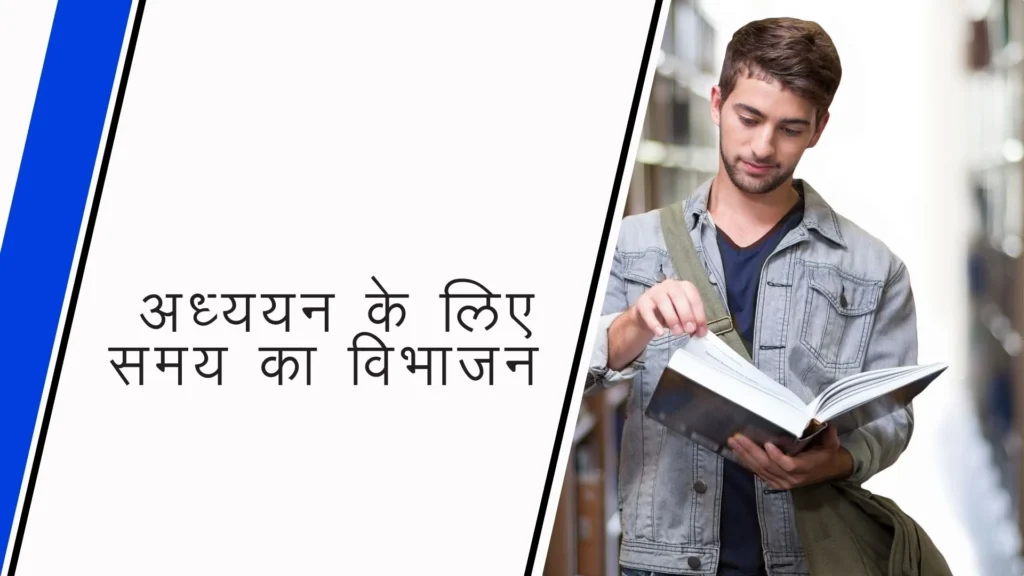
708,393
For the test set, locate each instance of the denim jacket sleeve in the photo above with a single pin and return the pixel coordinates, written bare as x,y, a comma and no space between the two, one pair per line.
615,303
893,342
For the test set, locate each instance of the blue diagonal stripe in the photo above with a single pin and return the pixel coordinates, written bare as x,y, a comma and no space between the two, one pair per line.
47,214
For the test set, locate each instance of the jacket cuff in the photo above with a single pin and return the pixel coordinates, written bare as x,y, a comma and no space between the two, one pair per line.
857,445
599,359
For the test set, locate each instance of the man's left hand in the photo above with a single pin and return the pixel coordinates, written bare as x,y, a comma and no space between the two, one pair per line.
827,461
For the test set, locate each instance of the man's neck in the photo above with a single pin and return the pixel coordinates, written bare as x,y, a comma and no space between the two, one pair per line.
747,217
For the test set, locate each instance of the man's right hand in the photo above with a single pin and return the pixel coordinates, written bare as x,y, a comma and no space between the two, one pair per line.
670,306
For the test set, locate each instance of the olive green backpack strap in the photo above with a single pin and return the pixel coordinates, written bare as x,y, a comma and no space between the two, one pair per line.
689,267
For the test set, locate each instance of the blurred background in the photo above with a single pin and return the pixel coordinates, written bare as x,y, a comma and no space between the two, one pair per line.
924,151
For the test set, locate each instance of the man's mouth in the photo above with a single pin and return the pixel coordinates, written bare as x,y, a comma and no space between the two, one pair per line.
757,168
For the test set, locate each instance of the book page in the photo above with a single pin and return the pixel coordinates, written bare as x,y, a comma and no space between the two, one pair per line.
714,351
892,380
853,383
723,381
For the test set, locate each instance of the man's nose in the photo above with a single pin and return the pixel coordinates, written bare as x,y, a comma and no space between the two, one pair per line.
763,145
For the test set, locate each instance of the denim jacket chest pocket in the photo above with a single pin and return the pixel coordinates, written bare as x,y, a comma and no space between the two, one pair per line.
642,271
645,270
838,314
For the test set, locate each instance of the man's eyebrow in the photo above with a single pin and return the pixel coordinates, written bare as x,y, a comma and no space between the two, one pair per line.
755,112
750,110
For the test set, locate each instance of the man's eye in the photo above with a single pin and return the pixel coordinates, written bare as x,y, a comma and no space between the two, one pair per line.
747,121
791,132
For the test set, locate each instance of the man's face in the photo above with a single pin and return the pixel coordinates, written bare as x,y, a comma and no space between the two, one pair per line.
763,132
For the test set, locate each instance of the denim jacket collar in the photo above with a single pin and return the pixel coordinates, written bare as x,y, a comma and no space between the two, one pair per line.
818,215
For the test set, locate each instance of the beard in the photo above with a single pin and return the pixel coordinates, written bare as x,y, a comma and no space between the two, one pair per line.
753,184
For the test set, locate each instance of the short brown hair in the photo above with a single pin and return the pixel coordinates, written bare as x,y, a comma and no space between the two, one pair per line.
798,54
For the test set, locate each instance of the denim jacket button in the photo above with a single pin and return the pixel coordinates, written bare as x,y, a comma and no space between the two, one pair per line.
700,487
693,562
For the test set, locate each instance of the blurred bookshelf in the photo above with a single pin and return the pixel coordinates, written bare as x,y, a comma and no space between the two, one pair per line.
997,187
678,150
679,142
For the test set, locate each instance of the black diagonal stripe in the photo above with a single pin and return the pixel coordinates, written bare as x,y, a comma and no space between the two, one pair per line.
595,280
76,288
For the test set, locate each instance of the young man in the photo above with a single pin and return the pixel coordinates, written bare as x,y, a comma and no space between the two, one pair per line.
813,296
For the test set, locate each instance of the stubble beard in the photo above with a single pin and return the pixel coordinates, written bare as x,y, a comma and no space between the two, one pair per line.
747,184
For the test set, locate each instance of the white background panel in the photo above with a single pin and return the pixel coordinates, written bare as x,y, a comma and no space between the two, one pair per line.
305,149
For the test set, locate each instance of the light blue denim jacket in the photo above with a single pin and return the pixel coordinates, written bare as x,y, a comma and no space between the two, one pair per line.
832,301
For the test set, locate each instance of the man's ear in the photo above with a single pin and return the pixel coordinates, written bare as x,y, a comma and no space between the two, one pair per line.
716,105
819,129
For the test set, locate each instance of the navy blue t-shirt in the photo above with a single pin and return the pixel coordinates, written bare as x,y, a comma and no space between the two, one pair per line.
740,530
